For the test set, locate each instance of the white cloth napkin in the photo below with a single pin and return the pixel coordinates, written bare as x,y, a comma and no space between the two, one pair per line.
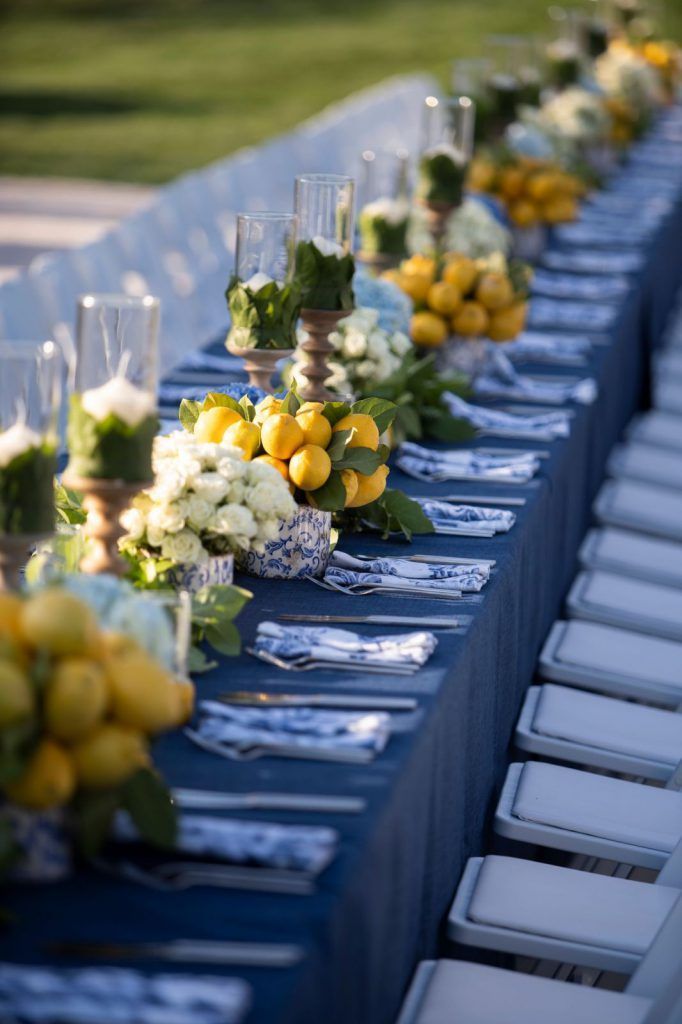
321,643
430,464
589,288
445,515
507,424
344,570
499,379
570,315
588,262
540,347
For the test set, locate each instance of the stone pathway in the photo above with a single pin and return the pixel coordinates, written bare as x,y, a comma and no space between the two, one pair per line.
43,214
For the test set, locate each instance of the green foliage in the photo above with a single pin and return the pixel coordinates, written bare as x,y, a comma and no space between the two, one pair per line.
331,496
26,498
265,318
441,179
189,411
381,236
146,798
325,282
213,611
392,513
68,505
111,449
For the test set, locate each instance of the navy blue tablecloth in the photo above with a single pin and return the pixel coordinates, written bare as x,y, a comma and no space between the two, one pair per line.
380,905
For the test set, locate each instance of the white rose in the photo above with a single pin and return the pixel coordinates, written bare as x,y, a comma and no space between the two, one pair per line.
400,343
354,344
237,492
285,506
336,339
262,472
377,344
199,512
265,496
268,529
210,486
231,467
133,523
170,485
168,518
233,520
155,536
365,369
184,547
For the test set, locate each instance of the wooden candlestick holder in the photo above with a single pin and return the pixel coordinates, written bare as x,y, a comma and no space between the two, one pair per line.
318,324
437,216
260,363
15,550
104,501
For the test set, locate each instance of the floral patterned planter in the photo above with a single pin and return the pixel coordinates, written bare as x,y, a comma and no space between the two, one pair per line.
302,548
219,569
44,840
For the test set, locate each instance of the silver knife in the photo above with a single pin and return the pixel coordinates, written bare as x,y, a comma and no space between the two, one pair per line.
472,499
435,559
377,620
190,799
318,700
188,951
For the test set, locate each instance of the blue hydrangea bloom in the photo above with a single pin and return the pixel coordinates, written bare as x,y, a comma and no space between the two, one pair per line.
393,306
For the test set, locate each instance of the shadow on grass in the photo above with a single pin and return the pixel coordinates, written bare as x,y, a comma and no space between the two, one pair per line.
43,104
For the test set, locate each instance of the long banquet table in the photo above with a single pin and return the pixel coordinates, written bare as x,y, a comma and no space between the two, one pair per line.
380,905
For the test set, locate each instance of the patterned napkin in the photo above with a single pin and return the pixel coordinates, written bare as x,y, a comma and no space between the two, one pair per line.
499,379
344,570
209,362
594,288
438,465
542,427
260,843
444,515
116,995
626,206
334,646
604,262
600,236
563,314
238,726
539,347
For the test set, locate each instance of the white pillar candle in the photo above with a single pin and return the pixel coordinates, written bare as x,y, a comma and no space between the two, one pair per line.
15,441
118,397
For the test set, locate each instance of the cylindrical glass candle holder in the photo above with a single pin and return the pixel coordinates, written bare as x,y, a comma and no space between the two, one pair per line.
265,248
324,206
385,212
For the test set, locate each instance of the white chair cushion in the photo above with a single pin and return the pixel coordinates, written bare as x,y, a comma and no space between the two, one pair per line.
577,906
642,506
466,993
646,462
607,592
619,652
645,556
659,428
600,806
609,724
668,395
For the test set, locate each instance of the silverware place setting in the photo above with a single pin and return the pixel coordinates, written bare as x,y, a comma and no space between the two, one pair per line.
188,951
359,702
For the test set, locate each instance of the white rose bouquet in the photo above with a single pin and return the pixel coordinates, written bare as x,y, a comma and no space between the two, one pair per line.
206,500
366,354
577,115
626,76
472,230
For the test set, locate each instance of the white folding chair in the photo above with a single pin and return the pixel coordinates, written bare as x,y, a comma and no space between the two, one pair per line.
458,992
633,554
596,815
668,395
639,506
626,603
600,732
527,908
647,463
657,428
668,364
613,661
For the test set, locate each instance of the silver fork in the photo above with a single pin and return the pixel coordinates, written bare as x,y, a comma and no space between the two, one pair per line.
362,589
348,755
180,876
304,665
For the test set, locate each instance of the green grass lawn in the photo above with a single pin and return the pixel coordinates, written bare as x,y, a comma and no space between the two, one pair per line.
140,90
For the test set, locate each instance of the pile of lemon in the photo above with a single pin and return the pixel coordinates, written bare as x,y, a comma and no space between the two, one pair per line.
459,296
296,446
83,701
534,192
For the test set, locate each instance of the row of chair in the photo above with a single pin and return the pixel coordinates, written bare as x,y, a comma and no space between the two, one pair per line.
181,247
607,719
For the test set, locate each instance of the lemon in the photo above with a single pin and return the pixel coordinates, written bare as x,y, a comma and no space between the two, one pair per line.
349,479
494,290
143,693
109,756
460,271
416,286
541,187
268,406
309,467
310,407
17,698
511,182
187,695
117,643
471,319
444,298
49,779
244,435
57,622
394,276
316,428
428,329
560,209
281,467
10,618
523,213
507,323
369,487
76,699
420,264
281,435
365,433
212,423
481,175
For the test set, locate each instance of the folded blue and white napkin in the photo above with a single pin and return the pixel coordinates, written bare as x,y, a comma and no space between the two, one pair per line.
237,726
445,515
497,423
499,379
565,314
540,347
654,207
116,995
260,843
462,464
587,262
592,288
391,573
298,644
600,236
209,362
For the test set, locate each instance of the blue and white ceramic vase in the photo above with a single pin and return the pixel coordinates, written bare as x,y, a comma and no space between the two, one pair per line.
301,548
528,244
219,569
44,842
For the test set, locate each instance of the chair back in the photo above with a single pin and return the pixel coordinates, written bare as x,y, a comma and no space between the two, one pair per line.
660,967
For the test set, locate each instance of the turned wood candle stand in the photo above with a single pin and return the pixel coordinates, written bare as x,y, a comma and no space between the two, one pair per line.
318,324
104,501
15,551
260,363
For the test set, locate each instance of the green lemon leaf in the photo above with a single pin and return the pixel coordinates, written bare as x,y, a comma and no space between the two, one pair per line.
332,495
364,460
382,411
215,398
337,445
335,411
148,801
188,414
